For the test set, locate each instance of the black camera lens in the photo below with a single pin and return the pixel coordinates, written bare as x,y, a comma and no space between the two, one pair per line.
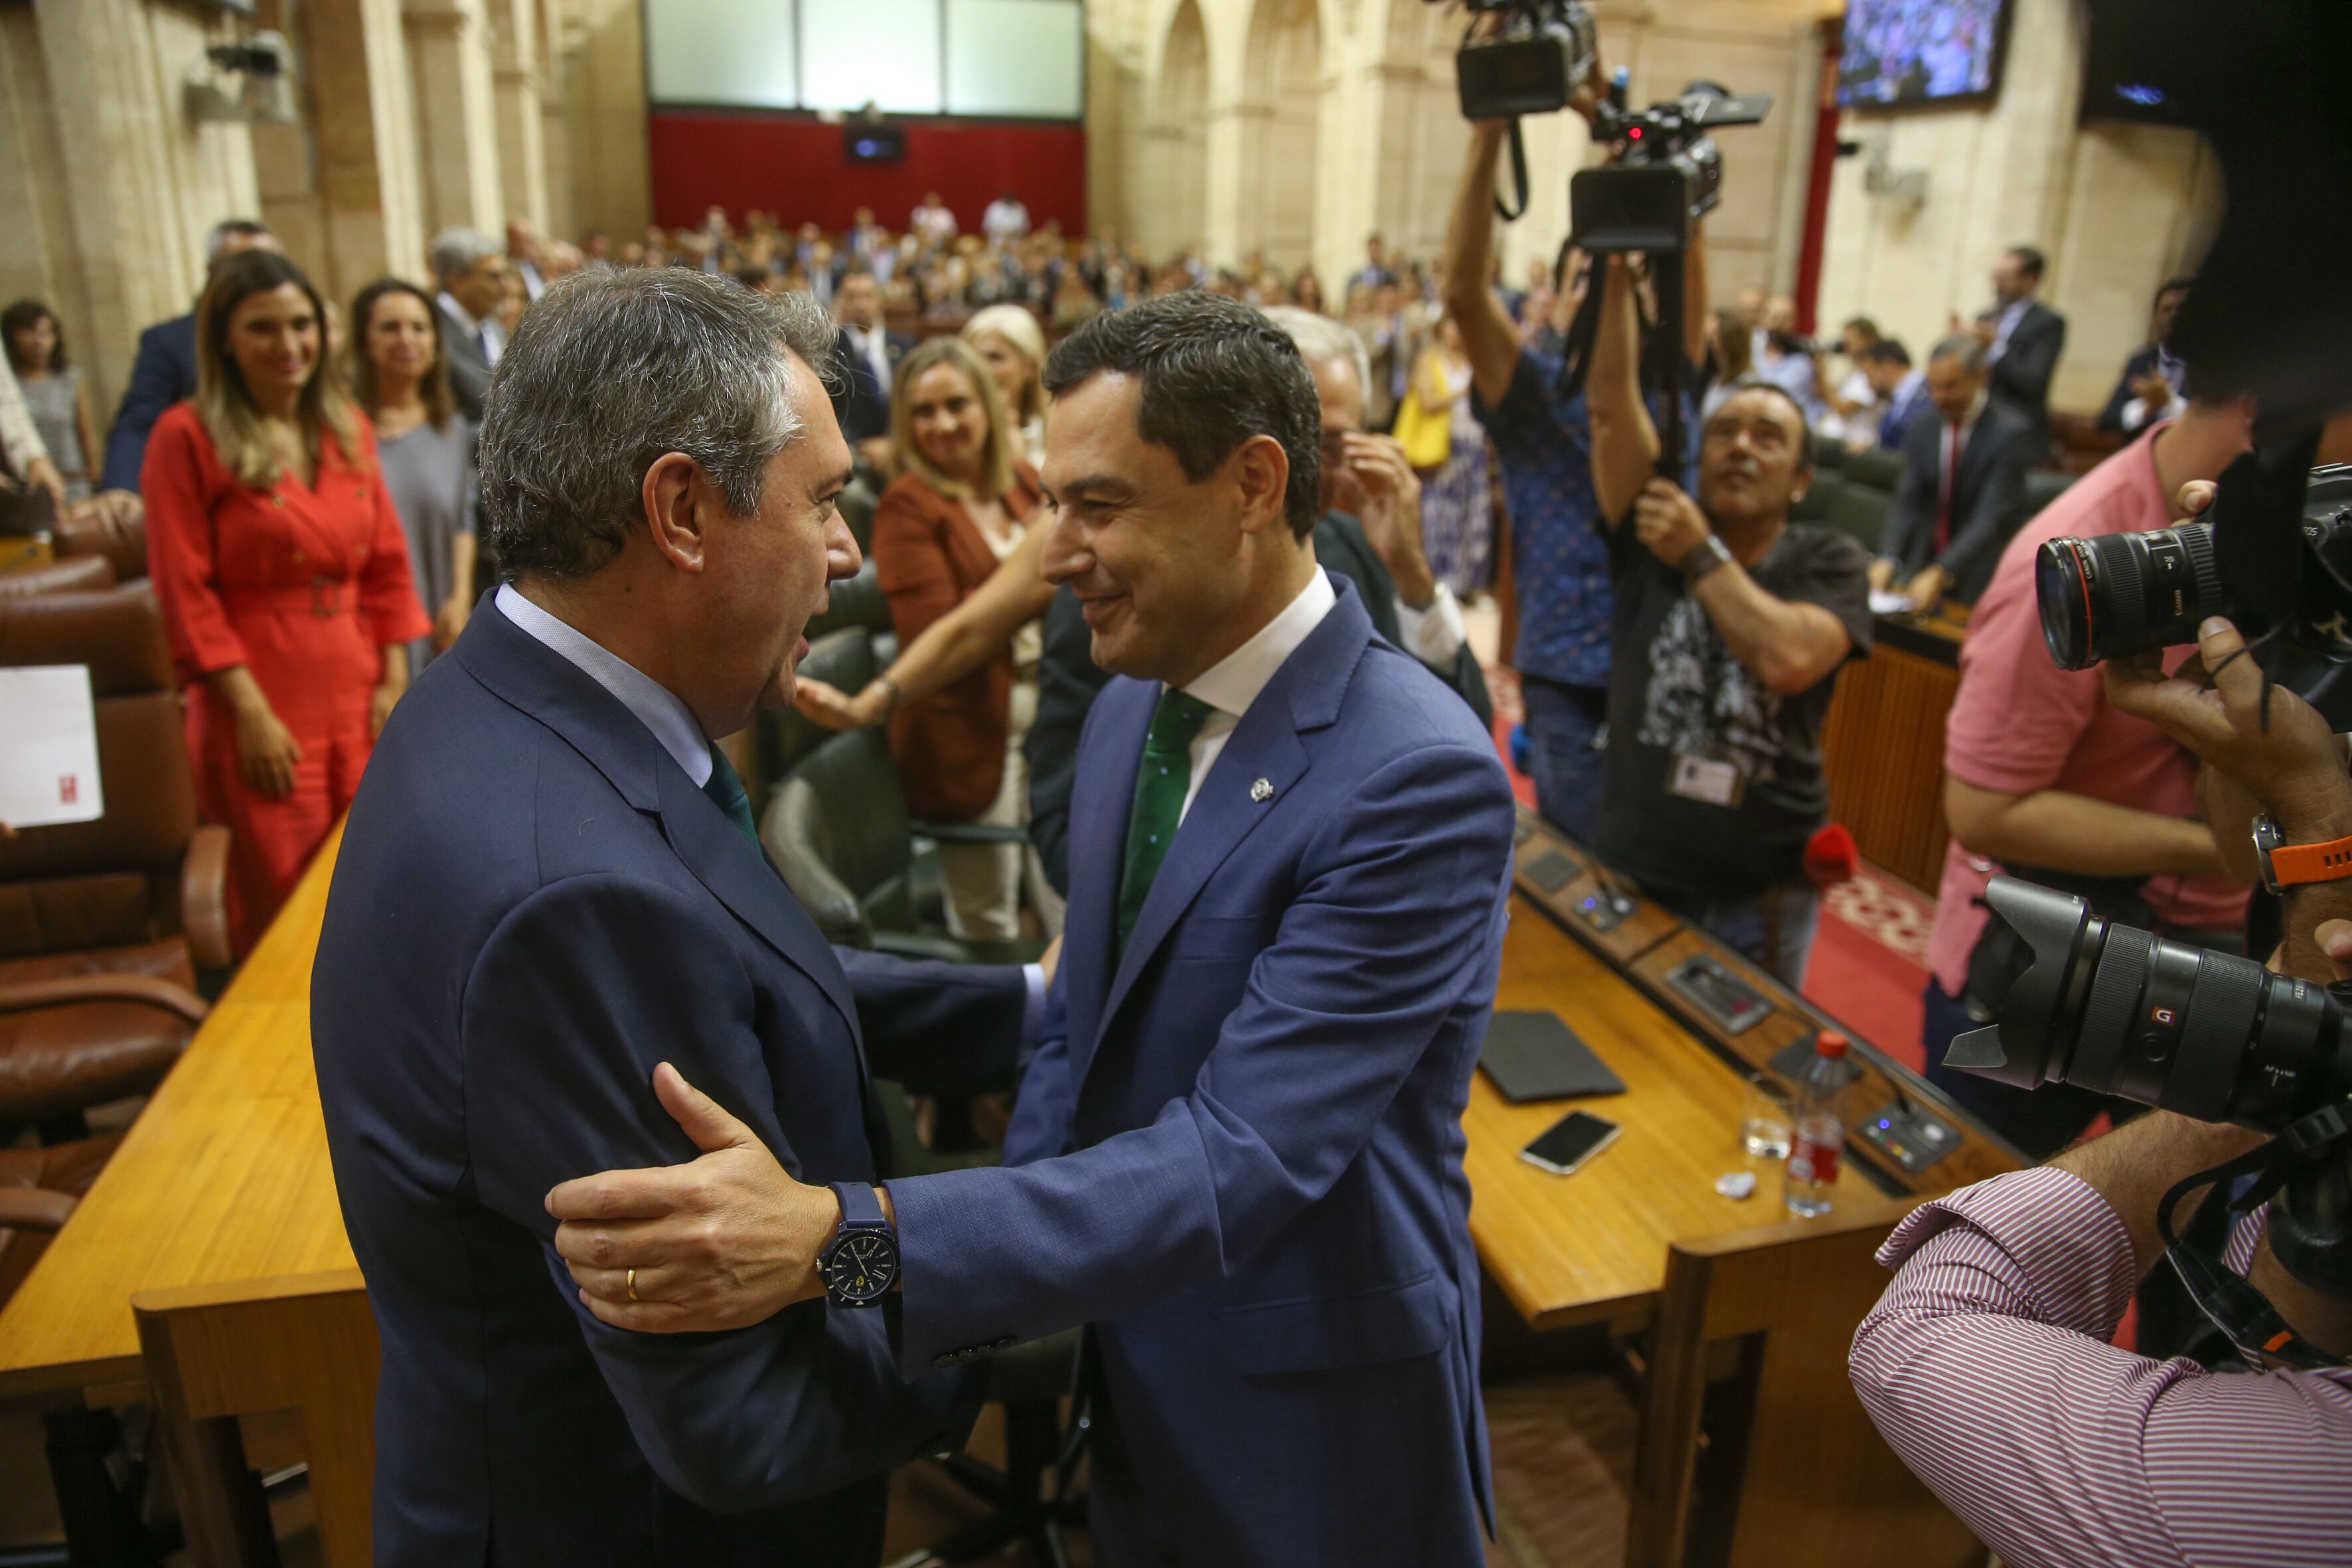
2122,594
2118,1011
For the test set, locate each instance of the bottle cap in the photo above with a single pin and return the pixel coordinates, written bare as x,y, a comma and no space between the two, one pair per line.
1830,1044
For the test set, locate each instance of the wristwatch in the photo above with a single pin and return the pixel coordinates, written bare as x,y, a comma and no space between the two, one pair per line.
1704,557
2288,865
860,1263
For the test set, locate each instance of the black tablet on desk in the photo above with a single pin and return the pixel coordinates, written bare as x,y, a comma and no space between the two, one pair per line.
1533,1055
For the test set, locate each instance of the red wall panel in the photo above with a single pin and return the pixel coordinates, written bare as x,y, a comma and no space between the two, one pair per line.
792,165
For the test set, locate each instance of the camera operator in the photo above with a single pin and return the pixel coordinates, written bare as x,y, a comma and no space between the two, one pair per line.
1542,438
2042,775
1987,1366
1729,624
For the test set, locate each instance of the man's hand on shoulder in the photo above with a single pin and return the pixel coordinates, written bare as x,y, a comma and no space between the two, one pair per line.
723,1242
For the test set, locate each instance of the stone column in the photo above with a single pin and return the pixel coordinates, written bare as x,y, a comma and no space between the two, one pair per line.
351,201
518,90
458,118
1236,181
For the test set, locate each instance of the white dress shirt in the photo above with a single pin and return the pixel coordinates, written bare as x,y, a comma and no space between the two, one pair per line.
1234,682
873,345
1435,633
489,334
2003,325
655,706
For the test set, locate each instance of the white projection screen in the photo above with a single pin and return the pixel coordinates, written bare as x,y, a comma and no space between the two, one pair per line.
1001,59
742,52
1023,57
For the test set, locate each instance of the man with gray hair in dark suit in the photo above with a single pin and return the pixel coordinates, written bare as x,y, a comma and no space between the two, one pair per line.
1962,492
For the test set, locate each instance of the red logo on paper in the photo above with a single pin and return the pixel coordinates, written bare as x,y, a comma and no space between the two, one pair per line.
69,789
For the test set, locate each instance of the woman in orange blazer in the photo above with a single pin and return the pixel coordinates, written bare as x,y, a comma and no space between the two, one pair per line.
282,573
961,504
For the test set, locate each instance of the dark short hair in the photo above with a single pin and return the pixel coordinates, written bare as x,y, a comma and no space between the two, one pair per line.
1804,426
1864,325
22,316
1888,351
1214,373
2171,286
2029,260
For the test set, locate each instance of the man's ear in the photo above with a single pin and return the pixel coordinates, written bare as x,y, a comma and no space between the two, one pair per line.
680,504
1261,469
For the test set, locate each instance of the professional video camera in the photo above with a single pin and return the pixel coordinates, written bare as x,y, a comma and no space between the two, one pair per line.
1667,169
2215,1038
1531,65
2273,553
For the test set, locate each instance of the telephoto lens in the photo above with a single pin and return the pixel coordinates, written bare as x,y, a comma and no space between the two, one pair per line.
2119,1011
2122,594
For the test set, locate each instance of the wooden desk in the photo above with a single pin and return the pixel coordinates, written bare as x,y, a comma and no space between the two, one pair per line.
1883,745
1592,1247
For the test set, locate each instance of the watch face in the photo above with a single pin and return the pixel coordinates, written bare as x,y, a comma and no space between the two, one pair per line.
861,1267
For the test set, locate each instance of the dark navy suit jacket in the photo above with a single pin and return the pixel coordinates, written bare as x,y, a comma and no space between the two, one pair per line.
1261,1209
163,373
533,905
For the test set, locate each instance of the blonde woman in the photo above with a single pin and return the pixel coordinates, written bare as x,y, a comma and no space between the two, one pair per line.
961,505
283,577
1011,343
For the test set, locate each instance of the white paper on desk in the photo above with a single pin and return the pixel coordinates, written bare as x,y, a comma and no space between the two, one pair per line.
1885,602
48,747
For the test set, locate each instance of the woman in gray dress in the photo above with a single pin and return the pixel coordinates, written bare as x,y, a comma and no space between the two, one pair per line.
426,448
54,394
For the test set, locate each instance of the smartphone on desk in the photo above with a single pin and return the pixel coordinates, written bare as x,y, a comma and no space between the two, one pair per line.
1567,1143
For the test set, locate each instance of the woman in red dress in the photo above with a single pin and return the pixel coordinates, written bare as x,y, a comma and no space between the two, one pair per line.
283,577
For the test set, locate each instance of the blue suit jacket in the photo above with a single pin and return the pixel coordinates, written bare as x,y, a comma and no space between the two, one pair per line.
163,373
1259,1201
533,905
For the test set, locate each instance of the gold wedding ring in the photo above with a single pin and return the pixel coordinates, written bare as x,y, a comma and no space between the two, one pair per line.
632,1284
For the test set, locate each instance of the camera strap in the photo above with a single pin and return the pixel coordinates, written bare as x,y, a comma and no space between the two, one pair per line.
2242,1313
1518,178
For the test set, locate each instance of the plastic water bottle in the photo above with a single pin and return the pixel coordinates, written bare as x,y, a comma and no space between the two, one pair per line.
1818,1139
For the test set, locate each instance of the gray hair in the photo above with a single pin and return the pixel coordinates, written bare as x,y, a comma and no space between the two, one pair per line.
612,369
1965,347
222,231
457,251
1319,338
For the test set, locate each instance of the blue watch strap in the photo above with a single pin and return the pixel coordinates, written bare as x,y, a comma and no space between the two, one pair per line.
860,1209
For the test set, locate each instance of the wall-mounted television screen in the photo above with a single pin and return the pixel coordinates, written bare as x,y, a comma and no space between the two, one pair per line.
1901,54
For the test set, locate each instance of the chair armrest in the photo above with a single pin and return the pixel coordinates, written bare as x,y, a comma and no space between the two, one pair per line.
204,898
34,1208
970,833
144,990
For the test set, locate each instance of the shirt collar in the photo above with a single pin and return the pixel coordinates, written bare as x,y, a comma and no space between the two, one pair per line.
655,706
1233,683
463,317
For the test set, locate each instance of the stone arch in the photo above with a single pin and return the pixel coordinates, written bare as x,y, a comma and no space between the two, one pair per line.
1281,98
1180,141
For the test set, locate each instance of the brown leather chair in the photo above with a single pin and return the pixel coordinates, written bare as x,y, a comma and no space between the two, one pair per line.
124,549
104,924
38,1189
73,575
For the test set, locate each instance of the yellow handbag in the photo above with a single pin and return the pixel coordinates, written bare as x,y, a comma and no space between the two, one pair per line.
1427,437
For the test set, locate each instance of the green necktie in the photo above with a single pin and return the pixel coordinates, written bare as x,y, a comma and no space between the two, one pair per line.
726,790
1159,786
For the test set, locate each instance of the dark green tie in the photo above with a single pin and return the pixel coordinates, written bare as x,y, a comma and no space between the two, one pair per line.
1159,786
725,789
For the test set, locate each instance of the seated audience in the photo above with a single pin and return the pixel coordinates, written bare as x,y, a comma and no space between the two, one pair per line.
959,505
1456,523
1732,357
1008,340
2044,778
865,364
470,271
1901,393
280,568
402,381
1730,624
1853,401
1963,493
2022,337
1307,292
1787,359
53,391
164,374
2150,386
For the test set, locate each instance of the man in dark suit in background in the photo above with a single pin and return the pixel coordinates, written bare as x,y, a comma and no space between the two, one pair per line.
1368,488
1962,492
548,885
864,363
1902,390
163,373
471,269
2022,337
2150,387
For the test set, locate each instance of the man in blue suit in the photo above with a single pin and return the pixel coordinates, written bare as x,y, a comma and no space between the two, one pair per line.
165,371
1237,1156
548,884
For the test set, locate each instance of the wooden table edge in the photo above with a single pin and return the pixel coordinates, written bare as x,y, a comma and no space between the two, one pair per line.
73,1378
240,1292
